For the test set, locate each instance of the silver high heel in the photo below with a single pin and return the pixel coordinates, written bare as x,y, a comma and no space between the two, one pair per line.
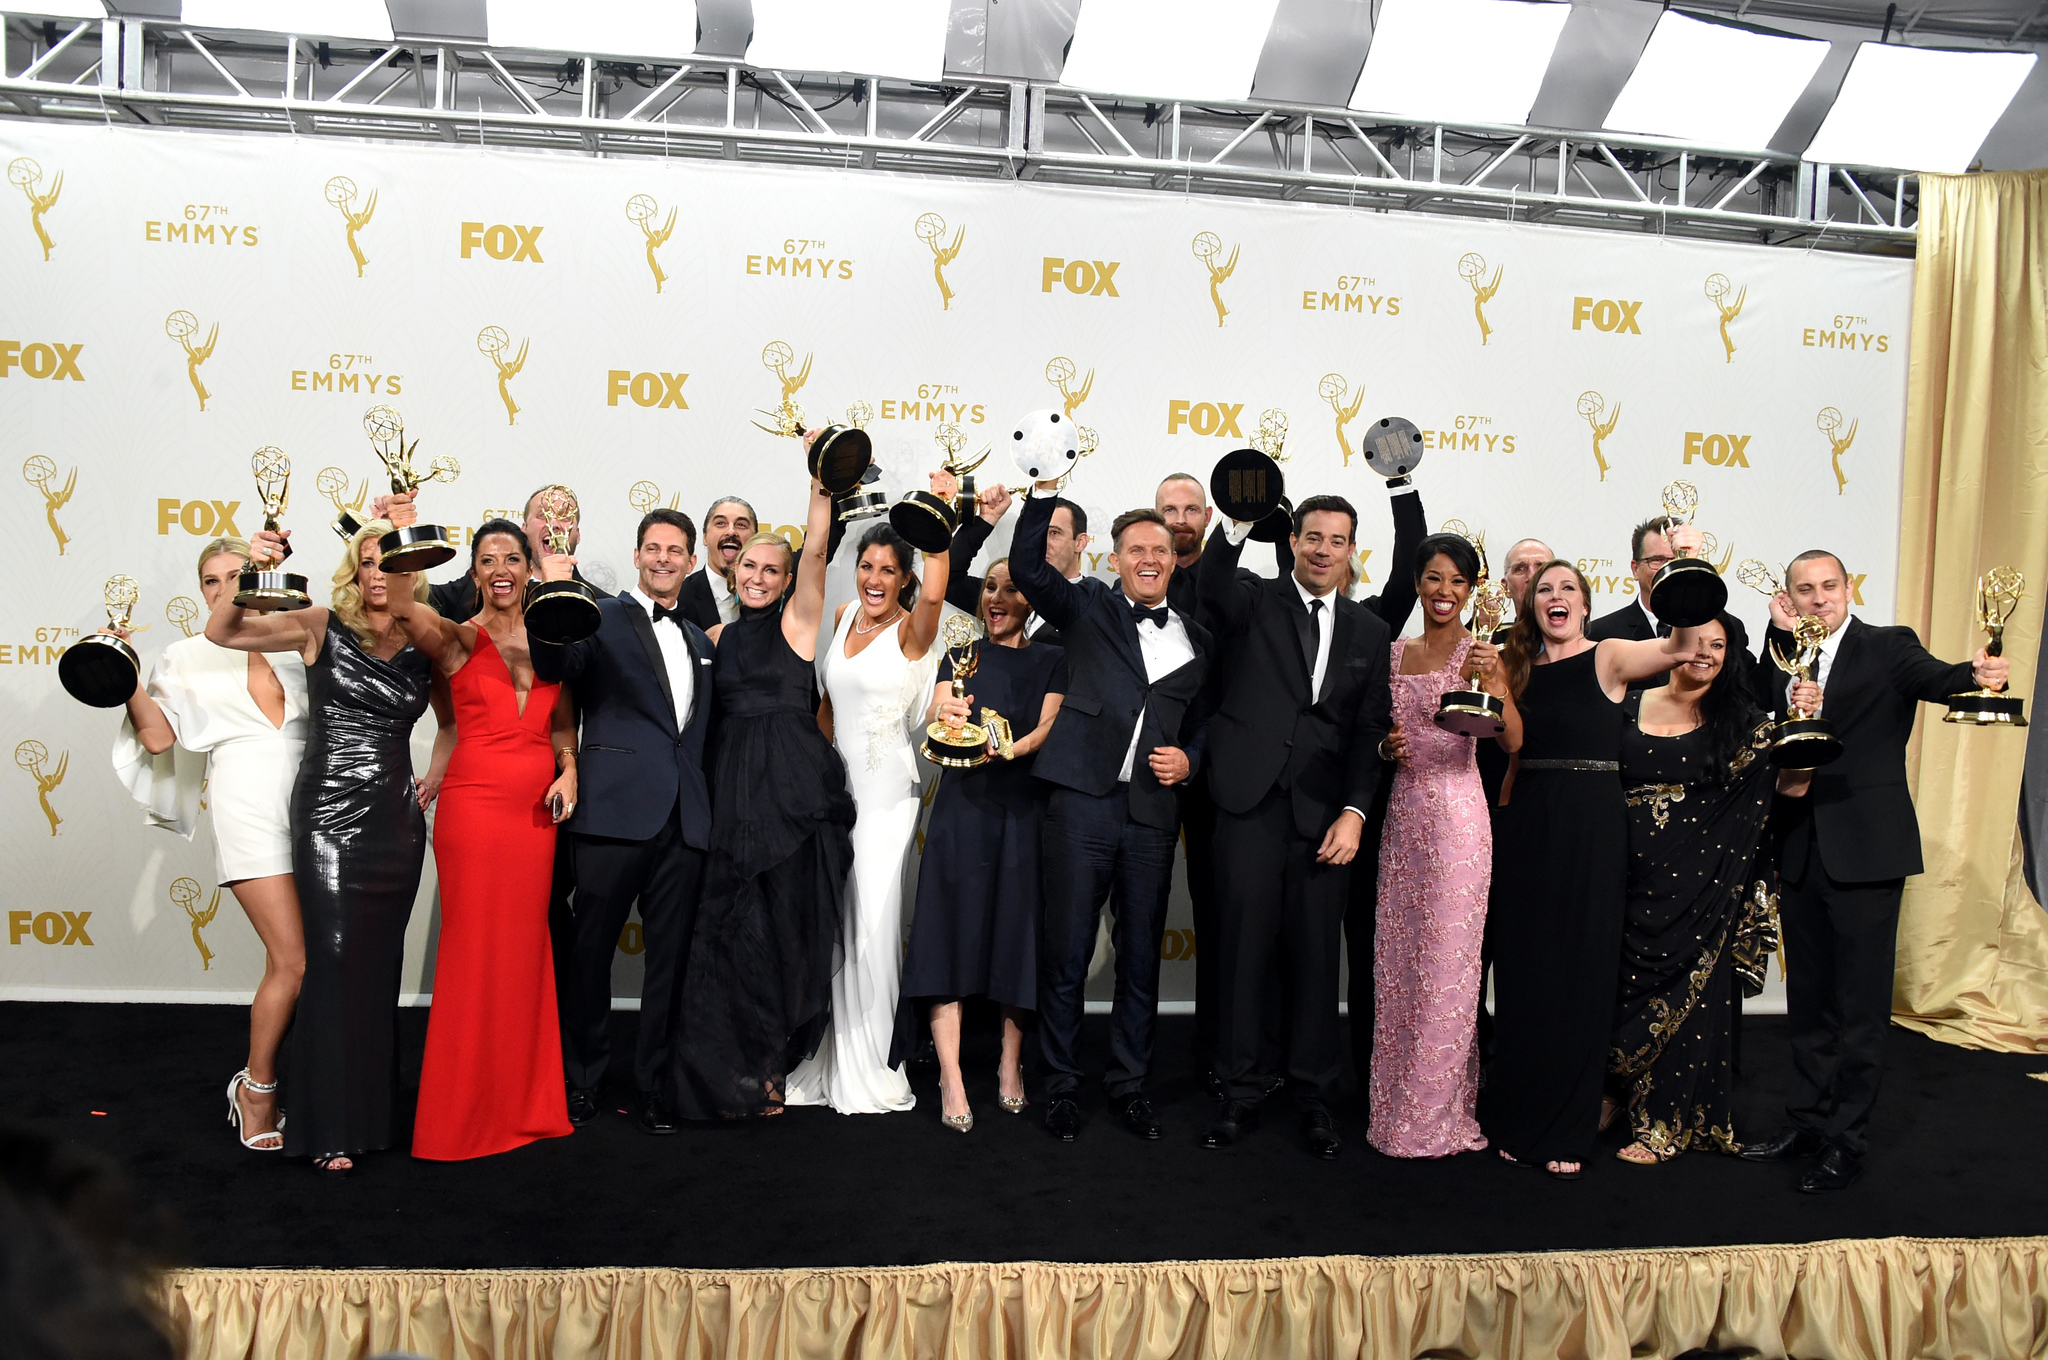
1010,1104
236,1084
959,1123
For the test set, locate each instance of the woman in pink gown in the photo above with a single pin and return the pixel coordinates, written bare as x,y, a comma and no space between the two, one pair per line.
1436,857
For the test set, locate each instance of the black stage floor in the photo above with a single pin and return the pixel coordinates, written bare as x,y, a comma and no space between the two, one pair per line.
1956,1154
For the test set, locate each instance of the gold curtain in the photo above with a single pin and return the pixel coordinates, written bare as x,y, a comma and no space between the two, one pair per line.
1851,1300
1973,943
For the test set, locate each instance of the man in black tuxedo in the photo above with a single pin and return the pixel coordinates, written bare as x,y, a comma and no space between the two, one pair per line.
1128,734
1066,539
1845,851
643,686
707,599
1303,705
1648,553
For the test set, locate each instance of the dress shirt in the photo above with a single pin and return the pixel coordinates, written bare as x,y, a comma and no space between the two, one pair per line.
1644,605
723,596
675,654
1326,626
1165,651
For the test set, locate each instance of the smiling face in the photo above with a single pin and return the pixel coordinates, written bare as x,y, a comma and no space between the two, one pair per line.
1143,561
1003,606
1187,512
1560,605
761,574
500,571
1442,590
1523,560
878,581
1820,587
663,559
726,530
1062,545
536,526
217,575
1322,551
1699,669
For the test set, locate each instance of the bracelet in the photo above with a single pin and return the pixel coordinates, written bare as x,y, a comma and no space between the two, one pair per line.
566,752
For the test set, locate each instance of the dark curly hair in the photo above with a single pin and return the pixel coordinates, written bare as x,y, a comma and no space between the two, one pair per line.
1727,711
498,526
906,559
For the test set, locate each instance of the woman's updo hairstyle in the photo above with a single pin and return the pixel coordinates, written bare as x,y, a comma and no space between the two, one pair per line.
1454,546
499,526
906,559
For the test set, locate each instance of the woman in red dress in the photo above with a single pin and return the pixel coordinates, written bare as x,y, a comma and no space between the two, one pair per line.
492,1079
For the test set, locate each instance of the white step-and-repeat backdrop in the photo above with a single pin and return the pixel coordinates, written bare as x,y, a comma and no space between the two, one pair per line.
174,302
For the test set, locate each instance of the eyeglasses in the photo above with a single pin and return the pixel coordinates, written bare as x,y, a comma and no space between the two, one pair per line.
1653,561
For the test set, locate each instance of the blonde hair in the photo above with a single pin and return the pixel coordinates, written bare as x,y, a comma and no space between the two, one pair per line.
215,547
765,536
347,599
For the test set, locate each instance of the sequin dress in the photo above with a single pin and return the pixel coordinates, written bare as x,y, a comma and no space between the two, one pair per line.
1436,858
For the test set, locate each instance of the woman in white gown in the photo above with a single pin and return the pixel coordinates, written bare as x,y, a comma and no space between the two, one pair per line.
878,672
231,725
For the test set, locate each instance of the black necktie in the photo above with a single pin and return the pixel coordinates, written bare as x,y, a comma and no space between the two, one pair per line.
1140,613
1663,630
664,612
1309,624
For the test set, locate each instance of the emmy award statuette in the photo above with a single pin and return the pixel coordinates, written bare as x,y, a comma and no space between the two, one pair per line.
1044,446
863,501
100,669
560,612
1686,591
1471,711
1393,449
1800,742
267,589
417,546
965,746
951,439
1998,594
333,484
925,518
1248,486
839,456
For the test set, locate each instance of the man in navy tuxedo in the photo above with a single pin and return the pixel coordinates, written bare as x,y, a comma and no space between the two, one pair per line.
643,686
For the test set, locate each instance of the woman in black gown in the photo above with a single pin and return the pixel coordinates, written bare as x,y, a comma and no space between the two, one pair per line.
975,931
1702,914
1562,864
359,837
758,986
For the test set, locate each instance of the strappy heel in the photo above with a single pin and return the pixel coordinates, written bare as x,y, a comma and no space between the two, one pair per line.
238,1083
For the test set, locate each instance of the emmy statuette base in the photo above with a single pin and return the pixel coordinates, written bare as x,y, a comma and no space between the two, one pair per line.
1687,592
1986,708
1471,713
345,526
961,749
860,505
415,548
100,670
925,521
839,456
270,592
1805,744
561,612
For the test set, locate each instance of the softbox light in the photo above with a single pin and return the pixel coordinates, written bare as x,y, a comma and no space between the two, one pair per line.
1459,61
1918,108
901,38
361,19
632,28
1169,49
1713,84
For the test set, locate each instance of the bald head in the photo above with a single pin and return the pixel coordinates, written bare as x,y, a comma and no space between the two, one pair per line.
1519,567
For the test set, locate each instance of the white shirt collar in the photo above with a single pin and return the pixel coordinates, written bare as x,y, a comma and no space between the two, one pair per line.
1644,605
1306,596
647,602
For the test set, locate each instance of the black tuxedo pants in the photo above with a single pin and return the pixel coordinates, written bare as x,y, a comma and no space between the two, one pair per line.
1841,947
1094,851
1280,915
667,876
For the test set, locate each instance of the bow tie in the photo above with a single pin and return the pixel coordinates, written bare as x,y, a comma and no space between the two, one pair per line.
664,612
1139,613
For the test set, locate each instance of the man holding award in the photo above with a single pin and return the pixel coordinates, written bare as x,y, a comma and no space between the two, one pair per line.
456,600
1847,848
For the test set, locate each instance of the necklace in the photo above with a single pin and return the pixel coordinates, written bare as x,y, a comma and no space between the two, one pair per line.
882,623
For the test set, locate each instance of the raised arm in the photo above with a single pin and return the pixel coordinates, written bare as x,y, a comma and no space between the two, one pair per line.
445,643
1622,661
1917,673
1396,600
1053,596
152,726
806,607
287,630
963,591
1225,598
558,662
916,639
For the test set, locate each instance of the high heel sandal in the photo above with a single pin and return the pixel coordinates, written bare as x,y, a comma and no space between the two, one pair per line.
238,1083
325,1164
1010,1104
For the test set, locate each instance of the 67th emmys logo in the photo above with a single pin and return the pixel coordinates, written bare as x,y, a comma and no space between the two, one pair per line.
1829,422
1593,406
1719,286
185,893
492,342
1332,389
341,192
39,471
640,211
24,174
1207,246
181,326
1471,268
931,229
32,756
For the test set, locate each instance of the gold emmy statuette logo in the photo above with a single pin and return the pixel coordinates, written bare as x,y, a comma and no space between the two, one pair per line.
1830,424
1207,246
492,341
341,192
1061,371
39,471
32,755
644,496
640,210
776,357
181,326
1332,389
185,892
1718,289
333,483
1471,268
183,611
24,174
1591,406
931,229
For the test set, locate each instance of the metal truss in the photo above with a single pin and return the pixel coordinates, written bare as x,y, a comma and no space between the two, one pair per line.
161,73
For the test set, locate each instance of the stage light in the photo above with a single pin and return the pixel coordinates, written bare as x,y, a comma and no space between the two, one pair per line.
901,38
1169,49
627,28
1459,61
1714,84
367,19
1918,108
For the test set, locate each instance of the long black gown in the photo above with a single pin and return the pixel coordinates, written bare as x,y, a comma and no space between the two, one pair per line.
980,881
1561,867
758,987
358,840
1701,919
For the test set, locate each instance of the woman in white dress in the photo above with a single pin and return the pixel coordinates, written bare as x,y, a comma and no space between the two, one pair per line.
877,675
231,726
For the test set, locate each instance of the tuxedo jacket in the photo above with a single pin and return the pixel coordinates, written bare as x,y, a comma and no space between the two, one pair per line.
636,760
1859,812
963,592
1630,624
1269,731
457,600
1107,687
698,602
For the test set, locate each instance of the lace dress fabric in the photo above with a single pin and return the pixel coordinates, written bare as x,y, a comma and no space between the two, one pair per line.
1436,859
